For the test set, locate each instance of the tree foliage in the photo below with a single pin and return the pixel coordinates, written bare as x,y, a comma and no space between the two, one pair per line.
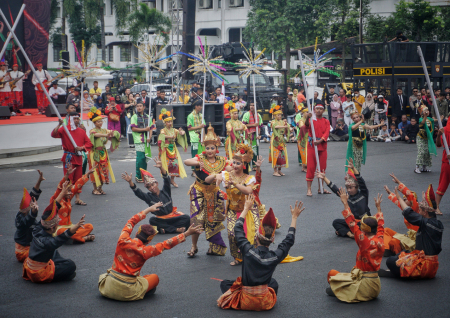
279,25
417,19
144,20
80,29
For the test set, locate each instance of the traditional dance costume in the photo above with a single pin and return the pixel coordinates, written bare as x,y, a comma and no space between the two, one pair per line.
25,223
322,130
41,98
167,219
256,289
357,146
65,210
302,136
168,151
423,261
234,138
123,281
99,155
444,177
6,96
140,142
44,264
249,119
362,283
17,91
236,201
207,200
396,242
195,119
72,157
278,154
425,143
358,203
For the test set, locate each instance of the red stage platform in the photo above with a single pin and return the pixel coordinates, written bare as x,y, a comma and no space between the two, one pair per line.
34,118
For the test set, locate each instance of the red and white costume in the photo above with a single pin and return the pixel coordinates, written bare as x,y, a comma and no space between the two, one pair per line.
5,92
322,130
17,92
42,101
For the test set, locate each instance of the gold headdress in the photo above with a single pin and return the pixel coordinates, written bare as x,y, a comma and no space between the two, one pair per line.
94,114
211,137
243,153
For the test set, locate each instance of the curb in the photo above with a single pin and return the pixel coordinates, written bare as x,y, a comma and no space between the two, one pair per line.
30,163
23,153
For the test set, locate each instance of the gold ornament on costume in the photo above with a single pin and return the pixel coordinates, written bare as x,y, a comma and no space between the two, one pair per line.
364,226
244,153
211,137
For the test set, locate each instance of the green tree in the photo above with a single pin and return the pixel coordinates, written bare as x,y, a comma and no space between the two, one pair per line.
280,25
143,20
340,21
80,30
418,20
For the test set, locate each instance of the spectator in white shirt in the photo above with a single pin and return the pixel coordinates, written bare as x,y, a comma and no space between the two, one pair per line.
55,91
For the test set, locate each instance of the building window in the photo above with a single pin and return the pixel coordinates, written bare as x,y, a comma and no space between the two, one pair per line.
208,32
111,7
58,12
99,53
56,51
125,53
234,35
219,4
205,4
236,3
111,53
162,5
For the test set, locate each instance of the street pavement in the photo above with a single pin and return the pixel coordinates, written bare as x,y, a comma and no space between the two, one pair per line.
186,286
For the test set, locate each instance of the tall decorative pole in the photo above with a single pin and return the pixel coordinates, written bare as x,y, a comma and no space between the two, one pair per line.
203,64
252,66
152,55
82,69
438,116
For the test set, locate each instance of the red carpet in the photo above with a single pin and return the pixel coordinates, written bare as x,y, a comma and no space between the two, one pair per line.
34,118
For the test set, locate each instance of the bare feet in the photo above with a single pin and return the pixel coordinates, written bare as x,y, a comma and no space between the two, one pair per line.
235,262
438,212
96,192
309,193
181,229
276,174
174,184
193,251
89,238
281,173
80,202
350,234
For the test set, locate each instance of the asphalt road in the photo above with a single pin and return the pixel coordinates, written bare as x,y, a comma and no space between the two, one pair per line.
186,288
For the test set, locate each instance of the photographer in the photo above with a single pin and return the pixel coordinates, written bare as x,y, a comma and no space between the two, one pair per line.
340,133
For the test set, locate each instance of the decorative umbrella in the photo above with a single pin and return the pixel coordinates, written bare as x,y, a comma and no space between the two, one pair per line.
153,58
82,69
252,66
203,64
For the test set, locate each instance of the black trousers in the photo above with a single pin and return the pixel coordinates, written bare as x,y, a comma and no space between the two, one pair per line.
170,225
390,263
226,284
64,268
341,227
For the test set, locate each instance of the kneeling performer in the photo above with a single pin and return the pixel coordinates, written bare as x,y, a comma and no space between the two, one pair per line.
256,290
123,281
362,283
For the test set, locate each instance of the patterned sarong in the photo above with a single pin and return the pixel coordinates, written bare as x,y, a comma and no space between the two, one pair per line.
255,298
417,265
22,252
38,272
